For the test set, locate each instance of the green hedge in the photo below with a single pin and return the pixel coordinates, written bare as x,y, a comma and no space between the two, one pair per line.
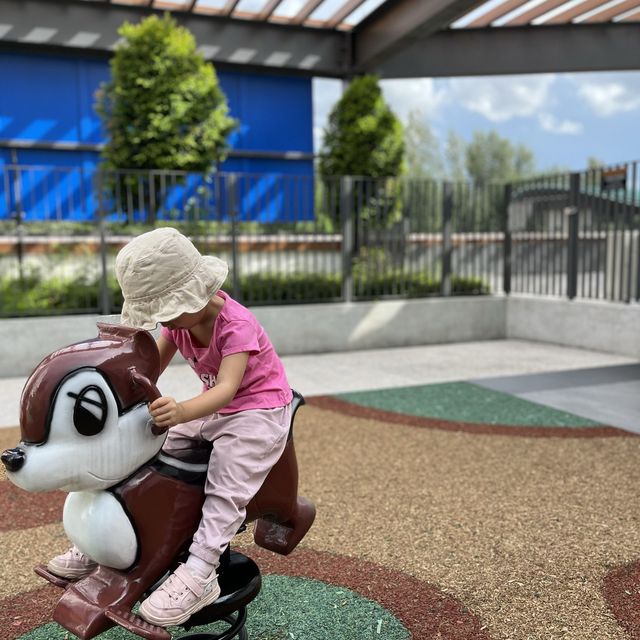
188,227
34,295
37,296
302,287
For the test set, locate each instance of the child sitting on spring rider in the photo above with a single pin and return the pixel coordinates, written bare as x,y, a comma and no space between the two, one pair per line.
243,417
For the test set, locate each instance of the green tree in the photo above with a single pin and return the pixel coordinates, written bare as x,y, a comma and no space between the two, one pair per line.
555,170
363,136
490,158
422,147
425,167
524,162
163,107
455,157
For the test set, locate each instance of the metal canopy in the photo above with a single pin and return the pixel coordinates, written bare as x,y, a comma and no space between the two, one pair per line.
339,38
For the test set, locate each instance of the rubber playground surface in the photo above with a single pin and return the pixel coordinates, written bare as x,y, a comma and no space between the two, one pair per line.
445,511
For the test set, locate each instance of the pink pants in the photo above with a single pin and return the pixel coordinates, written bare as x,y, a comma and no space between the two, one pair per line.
246,445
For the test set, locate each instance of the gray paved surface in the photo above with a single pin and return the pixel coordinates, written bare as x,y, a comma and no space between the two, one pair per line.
607,394
330,373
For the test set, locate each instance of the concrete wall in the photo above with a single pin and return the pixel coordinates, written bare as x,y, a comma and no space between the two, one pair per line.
600,326
26,341
293,329
372,325
321,328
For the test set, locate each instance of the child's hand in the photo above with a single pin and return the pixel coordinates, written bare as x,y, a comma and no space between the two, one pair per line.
166,412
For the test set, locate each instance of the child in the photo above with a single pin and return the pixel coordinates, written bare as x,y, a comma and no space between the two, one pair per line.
244,408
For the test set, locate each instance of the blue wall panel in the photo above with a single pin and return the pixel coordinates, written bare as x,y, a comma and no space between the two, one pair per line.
275,111
41,188
50,99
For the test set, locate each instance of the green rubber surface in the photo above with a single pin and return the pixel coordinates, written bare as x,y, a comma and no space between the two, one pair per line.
465,402
286,609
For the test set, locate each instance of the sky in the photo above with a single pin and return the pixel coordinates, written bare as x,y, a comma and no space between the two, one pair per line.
563,118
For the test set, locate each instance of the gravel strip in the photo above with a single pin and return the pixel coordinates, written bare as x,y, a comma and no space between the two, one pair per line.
22,510
22,550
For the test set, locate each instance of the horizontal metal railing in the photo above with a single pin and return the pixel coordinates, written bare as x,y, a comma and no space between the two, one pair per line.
303,239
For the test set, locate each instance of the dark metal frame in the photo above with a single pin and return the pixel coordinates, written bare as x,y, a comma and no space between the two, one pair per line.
400,39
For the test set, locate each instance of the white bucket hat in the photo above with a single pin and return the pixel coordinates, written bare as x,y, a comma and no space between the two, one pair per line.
162,275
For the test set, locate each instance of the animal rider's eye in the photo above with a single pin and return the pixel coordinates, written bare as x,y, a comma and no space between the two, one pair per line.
89,411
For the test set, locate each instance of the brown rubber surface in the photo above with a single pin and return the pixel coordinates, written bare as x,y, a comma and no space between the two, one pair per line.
462,535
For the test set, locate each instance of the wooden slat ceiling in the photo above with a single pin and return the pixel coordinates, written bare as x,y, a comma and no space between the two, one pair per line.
517,13
346,14
336,14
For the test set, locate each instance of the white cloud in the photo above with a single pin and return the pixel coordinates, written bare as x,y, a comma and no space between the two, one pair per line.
610,93
504,97
404,96
326,92
548,122
318,137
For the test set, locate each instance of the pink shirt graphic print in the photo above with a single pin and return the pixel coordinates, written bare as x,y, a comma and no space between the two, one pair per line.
264,384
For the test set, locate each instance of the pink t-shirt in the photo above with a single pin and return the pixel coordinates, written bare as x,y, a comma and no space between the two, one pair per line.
264,384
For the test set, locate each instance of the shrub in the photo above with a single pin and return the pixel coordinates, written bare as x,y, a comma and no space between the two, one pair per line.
162,109
35,295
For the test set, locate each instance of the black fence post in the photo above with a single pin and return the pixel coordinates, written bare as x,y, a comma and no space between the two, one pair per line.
573,225
506,228
347,213
635,233
447,212
232,210
19,217
105,297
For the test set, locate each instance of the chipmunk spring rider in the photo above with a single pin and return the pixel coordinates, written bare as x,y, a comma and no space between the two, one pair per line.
85,429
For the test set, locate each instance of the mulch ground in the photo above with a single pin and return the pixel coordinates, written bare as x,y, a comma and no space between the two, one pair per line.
462,533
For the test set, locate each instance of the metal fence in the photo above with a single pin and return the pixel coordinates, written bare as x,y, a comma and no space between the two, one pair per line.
577,235
292,239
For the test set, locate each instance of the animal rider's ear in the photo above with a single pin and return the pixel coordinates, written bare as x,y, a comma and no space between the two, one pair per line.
146,350
141,344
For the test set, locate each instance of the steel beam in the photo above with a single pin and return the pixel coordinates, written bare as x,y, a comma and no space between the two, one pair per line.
506,50
91,27
408,48
388,29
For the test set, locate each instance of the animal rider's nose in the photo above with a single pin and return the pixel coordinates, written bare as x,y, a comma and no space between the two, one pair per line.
13,459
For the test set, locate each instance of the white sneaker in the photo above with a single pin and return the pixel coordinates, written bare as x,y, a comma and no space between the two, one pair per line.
72,565
179,597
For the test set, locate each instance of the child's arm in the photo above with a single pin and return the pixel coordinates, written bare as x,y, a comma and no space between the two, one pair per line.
167,351
166,412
